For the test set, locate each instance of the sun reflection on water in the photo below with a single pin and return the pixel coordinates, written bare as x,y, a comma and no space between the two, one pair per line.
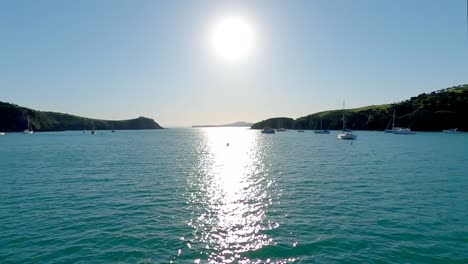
229,195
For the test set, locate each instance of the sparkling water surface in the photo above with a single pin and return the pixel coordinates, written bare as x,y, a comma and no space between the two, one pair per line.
187,196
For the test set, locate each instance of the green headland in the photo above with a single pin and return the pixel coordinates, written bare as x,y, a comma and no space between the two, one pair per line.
435,111
13,118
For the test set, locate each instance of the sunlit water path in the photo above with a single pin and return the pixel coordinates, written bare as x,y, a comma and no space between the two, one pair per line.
222,195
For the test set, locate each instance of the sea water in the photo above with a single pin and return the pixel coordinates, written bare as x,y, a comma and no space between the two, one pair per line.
222,195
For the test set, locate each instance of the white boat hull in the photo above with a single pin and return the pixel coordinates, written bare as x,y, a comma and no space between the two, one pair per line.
451,131
404,132
2,133
347,135
28,131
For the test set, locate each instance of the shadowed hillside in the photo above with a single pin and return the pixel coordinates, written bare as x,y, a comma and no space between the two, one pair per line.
14,118
442,109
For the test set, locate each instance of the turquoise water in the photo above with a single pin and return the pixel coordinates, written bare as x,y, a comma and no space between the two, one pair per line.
184,196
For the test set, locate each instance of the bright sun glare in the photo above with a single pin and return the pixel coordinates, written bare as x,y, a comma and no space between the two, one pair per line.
233,38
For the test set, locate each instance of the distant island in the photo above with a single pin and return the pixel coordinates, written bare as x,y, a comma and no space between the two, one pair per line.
13,118
435,111
236,124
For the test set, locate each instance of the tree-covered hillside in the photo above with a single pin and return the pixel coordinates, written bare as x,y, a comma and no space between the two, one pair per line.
14,118
442,109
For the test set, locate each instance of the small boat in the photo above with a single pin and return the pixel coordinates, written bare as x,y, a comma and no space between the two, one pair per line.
451,131
321,131
281,128
29,130
393,124
93,132
346,133
398,130
2,133
268,130
403,131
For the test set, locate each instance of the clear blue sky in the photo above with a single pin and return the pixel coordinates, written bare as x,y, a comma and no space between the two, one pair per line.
122,59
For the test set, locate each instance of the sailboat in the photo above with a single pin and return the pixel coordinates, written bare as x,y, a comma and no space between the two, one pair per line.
393,124
321,131
345,133
267,130
398,130
281,129
403,131
451,131
29,130
93,131
2,133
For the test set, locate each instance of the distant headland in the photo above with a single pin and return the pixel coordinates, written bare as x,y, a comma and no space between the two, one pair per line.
435,111
13,118
236,124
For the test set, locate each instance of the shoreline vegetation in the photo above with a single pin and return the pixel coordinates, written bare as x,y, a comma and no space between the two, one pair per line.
13,118
435,111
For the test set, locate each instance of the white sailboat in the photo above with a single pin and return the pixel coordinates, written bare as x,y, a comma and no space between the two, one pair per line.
268,130
345,133
2,133
451,131
321,131
398,130
29,130
281,128
403,131
393,124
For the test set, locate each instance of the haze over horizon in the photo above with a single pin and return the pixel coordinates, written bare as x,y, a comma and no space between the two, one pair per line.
188,63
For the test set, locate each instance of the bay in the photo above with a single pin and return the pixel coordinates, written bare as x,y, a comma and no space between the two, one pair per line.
222,195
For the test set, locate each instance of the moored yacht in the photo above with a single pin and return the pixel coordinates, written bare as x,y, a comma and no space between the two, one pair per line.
29,130
268,130
403,131
321,131
398,130
451,131
346,133
393,124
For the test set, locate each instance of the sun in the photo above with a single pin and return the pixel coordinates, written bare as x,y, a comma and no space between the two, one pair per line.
233,38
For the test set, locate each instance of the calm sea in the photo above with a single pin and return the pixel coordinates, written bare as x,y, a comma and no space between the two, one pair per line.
185,196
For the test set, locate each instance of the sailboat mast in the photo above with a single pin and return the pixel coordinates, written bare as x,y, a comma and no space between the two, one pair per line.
344,119
393,120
